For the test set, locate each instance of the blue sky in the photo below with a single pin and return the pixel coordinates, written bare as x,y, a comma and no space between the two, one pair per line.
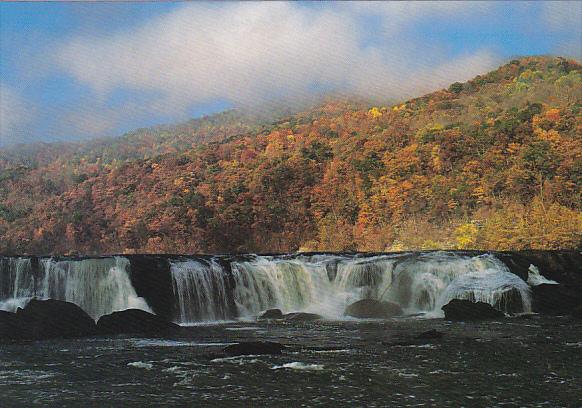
71,71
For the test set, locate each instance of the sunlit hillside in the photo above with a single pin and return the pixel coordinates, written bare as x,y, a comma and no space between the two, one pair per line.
493,163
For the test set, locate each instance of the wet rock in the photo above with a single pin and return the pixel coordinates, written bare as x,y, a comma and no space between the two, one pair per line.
9,329
302,317
511,302
134,321
254,348
554,299
45,319
375,309
271,314
458,309
427,337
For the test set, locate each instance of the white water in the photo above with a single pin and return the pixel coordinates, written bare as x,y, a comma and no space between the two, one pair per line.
324,284
200,291
17,284
422,283
99,286
535,278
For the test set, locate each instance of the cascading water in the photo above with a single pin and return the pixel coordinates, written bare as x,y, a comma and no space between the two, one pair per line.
429,281
280,283
16,283
419,283
204,290
200,290
99,286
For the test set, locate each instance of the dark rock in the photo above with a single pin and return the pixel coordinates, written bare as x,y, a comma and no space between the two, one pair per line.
45,319
302,317
9,329
134,321
554,299
271,314
430,335
511,302
152,279
458,309
253,348
370,308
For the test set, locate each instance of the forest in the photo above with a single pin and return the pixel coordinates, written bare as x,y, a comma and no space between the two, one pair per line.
492,163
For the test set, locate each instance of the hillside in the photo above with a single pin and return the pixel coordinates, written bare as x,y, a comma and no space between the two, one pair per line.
493,163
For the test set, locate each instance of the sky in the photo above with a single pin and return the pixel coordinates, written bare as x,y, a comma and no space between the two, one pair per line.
75,71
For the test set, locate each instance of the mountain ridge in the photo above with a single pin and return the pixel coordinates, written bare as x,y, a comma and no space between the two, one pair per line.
449,169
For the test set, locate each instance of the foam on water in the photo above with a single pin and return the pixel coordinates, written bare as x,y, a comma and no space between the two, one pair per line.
141,364
297,365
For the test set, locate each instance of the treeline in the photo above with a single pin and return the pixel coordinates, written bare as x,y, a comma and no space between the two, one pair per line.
493,163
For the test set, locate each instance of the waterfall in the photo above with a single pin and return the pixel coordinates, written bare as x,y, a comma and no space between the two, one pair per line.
419,283
16,283
287,284
200,290
211,289
99,286
429,281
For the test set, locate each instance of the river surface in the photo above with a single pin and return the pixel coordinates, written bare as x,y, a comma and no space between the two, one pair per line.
535,362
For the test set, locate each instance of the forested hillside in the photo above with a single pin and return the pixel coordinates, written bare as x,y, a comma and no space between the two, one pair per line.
493,163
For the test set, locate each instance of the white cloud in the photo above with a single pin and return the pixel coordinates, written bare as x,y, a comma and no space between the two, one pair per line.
252,53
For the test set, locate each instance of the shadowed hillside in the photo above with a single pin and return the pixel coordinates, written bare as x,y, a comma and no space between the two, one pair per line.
493,163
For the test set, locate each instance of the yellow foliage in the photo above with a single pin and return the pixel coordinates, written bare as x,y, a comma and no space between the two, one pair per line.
466,235
374,113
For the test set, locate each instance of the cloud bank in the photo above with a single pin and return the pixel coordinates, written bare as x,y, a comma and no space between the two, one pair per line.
172,63
253,53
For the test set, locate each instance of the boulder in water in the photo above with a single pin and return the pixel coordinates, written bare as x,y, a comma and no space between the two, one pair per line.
554,299
134,321
9,329
45,319
302,317
430,335
253,348
373,309
460,309
271,314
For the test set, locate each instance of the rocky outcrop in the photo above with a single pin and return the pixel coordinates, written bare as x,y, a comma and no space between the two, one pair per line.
254,348
373,309
461,310
271,314
45,319
135,321
555,299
